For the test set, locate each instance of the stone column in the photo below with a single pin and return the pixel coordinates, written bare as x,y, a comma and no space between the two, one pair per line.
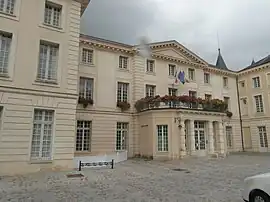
221,138
192,138
182,139
211,137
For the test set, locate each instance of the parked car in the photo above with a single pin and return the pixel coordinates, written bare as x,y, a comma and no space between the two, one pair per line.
257,188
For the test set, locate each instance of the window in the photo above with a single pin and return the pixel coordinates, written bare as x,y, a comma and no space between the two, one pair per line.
122,92
150,90
172,91
263,136
225,82
7,6
52,14
172,70
121,136
150,66
227,102
87,56
5,42
208,97
83,137
123,62
242,84
48,59
162,141
41,148
207,78
192,93
258,103
229,136
191,74
86,88
256,82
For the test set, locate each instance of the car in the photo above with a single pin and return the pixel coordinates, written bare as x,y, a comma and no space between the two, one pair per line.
257,188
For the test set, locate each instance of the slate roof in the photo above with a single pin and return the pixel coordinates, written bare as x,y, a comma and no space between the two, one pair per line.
254,64
220,64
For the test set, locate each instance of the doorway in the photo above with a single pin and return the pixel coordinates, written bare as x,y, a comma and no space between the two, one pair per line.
200,138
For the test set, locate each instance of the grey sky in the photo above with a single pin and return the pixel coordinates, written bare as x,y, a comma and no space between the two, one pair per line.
243,26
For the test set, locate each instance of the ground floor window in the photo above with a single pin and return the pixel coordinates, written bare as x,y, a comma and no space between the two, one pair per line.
162,133
229,136
83,137
121,136
41,148
263,136
199,134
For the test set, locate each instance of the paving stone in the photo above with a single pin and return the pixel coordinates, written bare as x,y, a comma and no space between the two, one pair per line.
208,180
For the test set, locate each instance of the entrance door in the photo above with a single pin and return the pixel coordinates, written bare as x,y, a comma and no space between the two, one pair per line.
247,138
200,138
263,146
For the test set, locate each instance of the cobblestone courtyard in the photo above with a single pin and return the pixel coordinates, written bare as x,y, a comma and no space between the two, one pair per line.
136,180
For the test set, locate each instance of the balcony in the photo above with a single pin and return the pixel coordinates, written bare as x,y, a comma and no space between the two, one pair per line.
182,102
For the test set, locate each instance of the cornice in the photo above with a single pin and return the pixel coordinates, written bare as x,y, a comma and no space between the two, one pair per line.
182,50
256,69
133,51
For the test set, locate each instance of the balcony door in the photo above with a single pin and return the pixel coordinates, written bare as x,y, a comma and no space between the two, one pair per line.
200,138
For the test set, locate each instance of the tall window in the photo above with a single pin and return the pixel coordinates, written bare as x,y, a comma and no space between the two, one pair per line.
263,136
150,66
172,70
5,42
52,14
122,92
172,91
150,90
229,136
121,136
191,74
207,78
192,93
258,103
225,82
256,82
86,88
7,6
87,56
123,62
42,136
48,59
162,137
207,96
227,102
83,137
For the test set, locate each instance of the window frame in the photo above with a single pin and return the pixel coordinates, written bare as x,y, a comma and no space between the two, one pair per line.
87,56
86,94
50,47
259,105
42,122
229,141
120,94
163,143
205,78
263,139
150,69
172,70
172,91
225,81
14,3
84,140
148,89
122,128
256,82
123,62
191,73
53,6
8,38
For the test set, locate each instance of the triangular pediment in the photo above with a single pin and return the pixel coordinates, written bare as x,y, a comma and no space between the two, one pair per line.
176,50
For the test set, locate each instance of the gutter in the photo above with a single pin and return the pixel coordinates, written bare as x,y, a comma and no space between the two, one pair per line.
240,116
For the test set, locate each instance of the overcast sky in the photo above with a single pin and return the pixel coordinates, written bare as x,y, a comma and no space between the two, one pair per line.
243,26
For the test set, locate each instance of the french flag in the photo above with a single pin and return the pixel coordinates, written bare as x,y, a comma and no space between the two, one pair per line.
176,80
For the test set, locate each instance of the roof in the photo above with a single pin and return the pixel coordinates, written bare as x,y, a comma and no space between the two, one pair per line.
254,64
84,4
220,64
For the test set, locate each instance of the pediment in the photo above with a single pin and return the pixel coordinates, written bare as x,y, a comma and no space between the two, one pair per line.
176,50
171,52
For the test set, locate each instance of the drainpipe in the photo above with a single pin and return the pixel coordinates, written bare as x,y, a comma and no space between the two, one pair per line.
240,116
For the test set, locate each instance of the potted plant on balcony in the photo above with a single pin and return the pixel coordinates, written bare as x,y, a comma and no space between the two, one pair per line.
123,105
85,101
